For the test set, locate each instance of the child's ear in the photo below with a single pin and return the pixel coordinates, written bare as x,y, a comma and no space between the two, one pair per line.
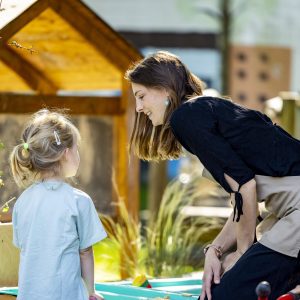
66,153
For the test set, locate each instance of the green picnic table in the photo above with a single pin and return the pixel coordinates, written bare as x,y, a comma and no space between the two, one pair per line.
171,288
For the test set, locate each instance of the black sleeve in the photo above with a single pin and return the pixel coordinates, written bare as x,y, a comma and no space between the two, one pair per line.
195,126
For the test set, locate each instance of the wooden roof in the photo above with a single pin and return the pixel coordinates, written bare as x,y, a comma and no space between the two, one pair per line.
72,48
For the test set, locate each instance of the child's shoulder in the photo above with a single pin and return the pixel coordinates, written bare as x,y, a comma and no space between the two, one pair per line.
26,193
80,195
83,201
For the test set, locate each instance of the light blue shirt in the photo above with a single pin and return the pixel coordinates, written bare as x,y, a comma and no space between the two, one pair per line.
52,222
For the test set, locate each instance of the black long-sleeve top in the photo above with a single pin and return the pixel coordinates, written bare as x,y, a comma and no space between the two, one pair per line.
234,140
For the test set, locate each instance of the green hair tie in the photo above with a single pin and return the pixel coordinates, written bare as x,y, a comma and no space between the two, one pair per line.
25,146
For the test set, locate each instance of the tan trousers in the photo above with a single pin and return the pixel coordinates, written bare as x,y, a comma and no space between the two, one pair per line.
280,229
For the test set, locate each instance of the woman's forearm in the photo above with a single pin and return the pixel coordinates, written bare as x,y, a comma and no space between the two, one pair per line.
240,234
87,268
245,228
226,239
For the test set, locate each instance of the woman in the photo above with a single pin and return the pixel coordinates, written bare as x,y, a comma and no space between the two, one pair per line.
245,152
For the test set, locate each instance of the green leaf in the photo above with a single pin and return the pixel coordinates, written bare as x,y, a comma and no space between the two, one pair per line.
5,208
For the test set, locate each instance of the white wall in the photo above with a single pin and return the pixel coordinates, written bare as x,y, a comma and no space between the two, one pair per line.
153,15
256,22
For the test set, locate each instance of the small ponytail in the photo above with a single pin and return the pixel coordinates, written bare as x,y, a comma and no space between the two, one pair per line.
21,165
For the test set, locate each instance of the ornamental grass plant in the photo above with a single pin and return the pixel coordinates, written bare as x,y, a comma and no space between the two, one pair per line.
169,245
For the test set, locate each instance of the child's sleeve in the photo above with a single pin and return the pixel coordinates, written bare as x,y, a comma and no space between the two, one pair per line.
89,227
15,227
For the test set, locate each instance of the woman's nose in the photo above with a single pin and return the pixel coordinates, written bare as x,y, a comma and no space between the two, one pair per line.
138,106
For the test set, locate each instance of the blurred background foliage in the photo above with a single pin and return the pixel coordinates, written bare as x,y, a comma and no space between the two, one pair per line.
168,245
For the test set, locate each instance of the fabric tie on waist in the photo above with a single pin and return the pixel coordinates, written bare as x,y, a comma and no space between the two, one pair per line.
238,205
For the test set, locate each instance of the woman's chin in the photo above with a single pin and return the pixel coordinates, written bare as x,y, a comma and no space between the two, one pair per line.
156,123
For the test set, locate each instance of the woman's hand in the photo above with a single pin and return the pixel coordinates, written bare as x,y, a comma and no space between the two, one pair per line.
212,269
230,260
96,296
296,290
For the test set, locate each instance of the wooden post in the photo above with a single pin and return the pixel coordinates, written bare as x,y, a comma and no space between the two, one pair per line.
125,167
297,118
289,112
288,115
157,184
226,19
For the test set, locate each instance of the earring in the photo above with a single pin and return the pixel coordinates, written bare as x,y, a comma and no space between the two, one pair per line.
167,102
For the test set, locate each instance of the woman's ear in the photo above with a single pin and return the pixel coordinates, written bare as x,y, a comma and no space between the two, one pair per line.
167,93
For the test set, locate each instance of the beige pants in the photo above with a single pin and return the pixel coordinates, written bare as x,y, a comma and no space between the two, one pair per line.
280,230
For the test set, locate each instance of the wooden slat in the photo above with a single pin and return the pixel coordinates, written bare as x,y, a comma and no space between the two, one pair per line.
33,77
24,18
22,103
97,32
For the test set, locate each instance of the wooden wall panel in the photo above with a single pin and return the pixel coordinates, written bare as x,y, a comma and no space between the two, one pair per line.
66,56
7,76
258,74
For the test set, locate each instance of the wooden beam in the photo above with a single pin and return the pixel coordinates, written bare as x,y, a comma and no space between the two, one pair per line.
24,18
37,80
108,42
141,39
28,103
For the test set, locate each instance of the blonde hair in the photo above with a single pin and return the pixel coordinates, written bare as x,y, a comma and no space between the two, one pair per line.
161,70
44,140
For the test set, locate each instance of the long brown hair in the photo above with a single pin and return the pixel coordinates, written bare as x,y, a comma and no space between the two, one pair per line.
161,70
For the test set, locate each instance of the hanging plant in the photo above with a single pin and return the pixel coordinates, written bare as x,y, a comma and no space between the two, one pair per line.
5,214
1,180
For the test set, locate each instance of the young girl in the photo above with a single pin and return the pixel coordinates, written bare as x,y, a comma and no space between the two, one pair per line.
249,156
55,225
